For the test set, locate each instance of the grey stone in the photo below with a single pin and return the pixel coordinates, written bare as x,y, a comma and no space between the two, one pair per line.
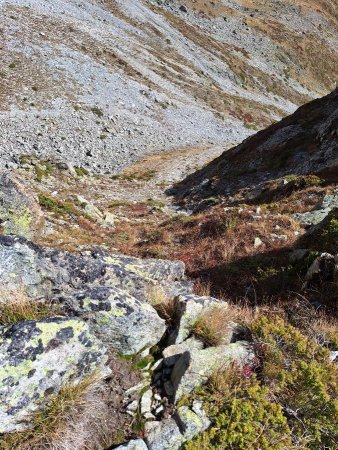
37,359
194,368
164,435
330,201
191,423
146,401
172,353
136,444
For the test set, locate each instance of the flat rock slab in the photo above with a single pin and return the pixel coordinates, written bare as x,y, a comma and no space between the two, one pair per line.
37,359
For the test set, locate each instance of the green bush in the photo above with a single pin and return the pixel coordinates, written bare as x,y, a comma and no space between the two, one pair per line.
243,416
301,378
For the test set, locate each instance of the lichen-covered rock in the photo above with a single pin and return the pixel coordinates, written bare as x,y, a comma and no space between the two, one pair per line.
189,307
37,358
192,421
171,433
45,272
136,444
19,212
120,320
195,367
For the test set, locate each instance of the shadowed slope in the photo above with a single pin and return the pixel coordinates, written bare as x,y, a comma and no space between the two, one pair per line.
304,143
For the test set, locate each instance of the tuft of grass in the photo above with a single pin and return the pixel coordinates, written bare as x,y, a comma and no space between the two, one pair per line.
137,176
212,327
16,306
81,172
155,203
97,111
12,65
117,203
165,307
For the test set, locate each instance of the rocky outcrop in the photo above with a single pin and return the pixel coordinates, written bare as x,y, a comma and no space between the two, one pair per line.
19,212
37,359
103,301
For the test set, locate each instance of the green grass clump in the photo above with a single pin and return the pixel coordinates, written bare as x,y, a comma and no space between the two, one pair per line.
154,203
59,207
137,176
97,111
302,379
117,203
42,170
81,172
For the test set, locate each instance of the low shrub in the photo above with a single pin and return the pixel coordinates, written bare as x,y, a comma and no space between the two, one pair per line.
243,416
290,403
302,379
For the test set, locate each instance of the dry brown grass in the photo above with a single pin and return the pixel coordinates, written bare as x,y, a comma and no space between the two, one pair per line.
76,419
16,306
215,326
166,307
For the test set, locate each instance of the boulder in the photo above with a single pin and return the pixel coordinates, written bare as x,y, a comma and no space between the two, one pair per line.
37,359
189,307
172,353
20,213
47,272
195,367
120,320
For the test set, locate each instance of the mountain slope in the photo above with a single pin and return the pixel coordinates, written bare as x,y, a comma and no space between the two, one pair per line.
304,143
102,82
